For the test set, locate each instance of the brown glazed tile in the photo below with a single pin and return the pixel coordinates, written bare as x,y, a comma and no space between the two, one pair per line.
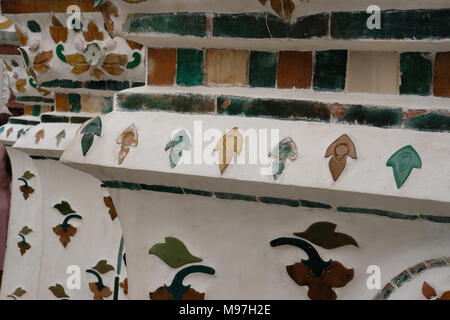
61,102
442,74
161,66
28,110
33,6
294,69
226,67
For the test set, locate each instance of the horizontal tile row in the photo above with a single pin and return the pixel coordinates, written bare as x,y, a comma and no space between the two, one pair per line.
378,116
395,24
75,102
112,85
36,110
36,99
330,70
23,121
268,200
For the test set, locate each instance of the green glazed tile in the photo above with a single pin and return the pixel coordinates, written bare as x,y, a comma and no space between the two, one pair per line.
330,70
48,118
316,25
107,104
312,204
402,163
439,219
137,84
161,188
184,24
96,85
263,69
173,252
374,116
416,70
33,26
29,99
117,85
280,201
185,103
189,67
198,192
36,110
402,278
65,83
250,25
234,196
74,102
378,212
433,121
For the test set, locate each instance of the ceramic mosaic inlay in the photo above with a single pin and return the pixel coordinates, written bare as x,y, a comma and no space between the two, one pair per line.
402,163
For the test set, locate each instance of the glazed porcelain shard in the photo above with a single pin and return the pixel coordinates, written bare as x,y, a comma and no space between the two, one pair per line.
60,136
177,290
318,275
127,139
339,150
283,8
228,145
285,149
402,163
58,291
39,135
323,234
93,128
173,252
179,142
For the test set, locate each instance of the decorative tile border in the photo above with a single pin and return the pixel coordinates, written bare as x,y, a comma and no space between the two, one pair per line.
23,121
51,118
268,200
305,110
409,274
110,85
34,99
397,24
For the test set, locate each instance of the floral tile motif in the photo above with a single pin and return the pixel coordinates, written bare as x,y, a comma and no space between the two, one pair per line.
26,189
179,142
17,293
323,234
65,230
23,245
402,163
127,139
318,275
93,128
339,150
286,149
173,252
98,288
59,291
227,146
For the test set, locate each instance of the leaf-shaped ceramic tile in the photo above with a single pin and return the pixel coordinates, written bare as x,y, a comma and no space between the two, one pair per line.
402,163
174,158
112,209
323,234
277,168
58,291
64,208
42,60
39,135
103,267
283,8
19,292
173,252
86,142
28,175
2,129
93,127
127,139
60,136
227,146
25,230
428,291
179,142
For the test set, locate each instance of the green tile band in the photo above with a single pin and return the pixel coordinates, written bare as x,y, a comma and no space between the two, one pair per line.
189,67
378,212
23,121
417,73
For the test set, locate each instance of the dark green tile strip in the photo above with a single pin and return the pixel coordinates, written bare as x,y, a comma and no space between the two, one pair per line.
416,70
395,24
234,196
64,83
433,121
186,103
79,119
263,69
312,204
137,84
268,200
43,158
23,121
107,105
29,99
161,188
189,67
48,118
435,218
198,192
36,110
316,25
184,24
280,201
373,116
273,108
330,70
378,212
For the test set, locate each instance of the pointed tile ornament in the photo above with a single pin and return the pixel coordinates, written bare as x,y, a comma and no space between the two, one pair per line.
339,150
285,149
93,128
173,252
60,136
323,234
228,145
127,139
402,163
179,142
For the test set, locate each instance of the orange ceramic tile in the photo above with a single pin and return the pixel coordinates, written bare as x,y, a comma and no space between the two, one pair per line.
442,74
226,67
294,69
161,66
28,110
61,102
37,6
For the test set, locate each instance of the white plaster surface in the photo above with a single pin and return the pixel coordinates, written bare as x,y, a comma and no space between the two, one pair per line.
46,262
364,178
233,237
12,138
